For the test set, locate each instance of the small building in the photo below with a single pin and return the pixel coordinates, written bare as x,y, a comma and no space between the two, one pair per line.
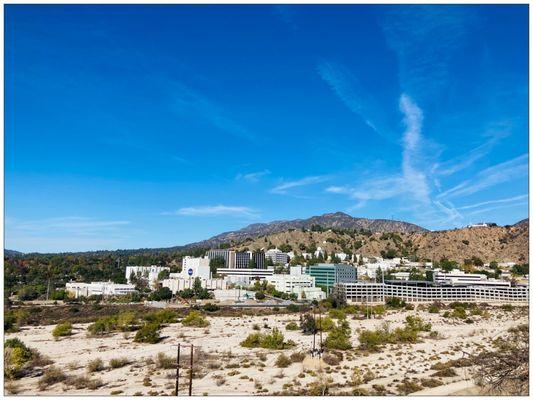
178,284
244,276
82,289
148,272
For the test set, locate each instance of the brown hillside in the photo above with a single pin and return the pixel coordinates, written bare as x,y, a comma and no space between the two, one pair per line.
489,244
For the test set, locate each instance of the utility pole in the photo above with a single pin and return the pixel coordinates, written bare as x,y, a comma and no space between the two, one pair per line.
190,370
178,370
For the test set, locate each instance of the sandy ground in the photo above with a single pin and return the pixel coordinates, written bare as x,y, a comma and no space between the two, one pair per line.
234,370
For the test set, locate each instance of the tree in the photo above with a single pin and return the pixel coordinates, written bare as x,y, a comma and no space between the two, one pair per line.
197,285
163,275
252,263
259,296
214,264
505,369
163,293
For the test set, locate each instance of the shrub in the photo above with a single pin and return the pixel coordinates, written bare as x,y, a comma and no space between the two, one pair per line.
434,309
394,302
259,296
83,382
339,337
50,377
127,322
325,324
408,386
283,361
149,333
297,356
210,307
196,319
292,326
163,293
336,313
64,329
95,365
308,324
507,307
274,340
416,323
445,373
331,359
161,317
103,325
458,312
118,362
163,361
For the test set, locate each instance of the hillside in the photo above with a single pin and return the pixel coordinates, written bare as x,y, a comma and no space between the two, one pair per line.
493,243
336,220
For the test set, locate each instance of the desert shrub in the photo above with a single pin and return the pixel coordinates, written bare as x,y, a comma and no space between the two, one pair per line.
127,322
337,313
507,307
83,382
149,333
445,373
163,361
64,329
118,362
325,324
103,325
210,307
331,359
283,361
359,377
458,312
430,382
95,365
256,327
434,308
16,358
379,309
161,317
373,340
308,324
395,302
297,356
416,323
259,296
274,340
408,386
195,318
339,337
292,326
50,377
163,293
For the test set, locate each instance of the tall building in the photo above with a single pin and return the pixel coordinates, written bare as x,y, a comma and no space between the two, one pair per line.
242,260
277,256
329,274
259,258
226,254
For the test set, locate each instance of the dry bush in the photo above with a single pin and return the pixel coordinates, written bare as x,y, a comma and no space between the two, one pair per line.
162,361
95,365
298,356
283,361
118,362
83,382
50,377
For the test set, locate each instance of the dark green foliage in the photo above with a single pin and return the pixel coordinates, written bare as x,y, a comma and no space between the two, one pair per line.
395,302
163,293
64,329
210,307
149,333
275,340
339,337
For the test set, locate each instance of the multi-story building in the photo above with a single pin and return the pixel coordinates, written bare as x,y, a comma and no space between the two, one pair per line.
242,260
302,285
277,256
226,254
329,274
178,284
150,273
361,292
82,289
193,267
259,259
244,276
457,277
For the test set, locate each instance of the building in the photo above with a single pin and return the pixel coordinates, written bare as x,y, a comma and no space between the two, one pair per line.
457,278
226,254
277,256
193,267
401,276
329,274
233,295
150,273
81,289
298,283
361,292
244,276
319,252
259,259
242,260
178,284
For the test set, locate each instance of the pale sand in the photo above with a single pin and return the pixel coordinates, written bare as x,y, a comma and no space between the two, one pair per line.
222,338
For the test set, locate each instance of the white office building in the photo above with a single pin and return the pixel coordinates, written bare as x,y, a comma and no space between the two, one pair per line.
244,276
193,267
150,273
178,284
277,256
82,289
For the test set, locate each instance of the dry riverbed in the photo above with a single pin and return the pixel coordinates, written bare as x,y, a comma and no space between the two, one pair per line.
225,368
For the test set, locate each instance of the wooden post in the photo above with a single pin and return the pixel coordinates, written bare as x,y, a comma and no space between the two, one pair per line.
190,371
178,370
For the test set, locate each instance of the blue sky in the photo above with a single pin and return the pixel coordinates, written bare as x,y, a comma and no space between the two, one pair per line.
154,126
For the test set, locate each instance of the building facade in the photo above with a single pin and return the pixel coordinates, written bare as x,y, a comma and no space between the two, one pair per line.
329,274
178,284
193,267
277,256
148,272
81,289
360,292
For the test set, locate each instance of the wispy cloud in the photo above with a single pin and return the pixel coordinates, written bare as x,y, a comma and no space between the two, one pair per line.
189,100
488,209
425,38
486,203
212,211
497,174
309,180
252,176
72,225
347,88
459,163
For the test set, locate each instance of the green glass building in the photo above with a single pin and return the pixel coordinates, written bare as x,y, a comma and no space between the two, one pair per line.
328,275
